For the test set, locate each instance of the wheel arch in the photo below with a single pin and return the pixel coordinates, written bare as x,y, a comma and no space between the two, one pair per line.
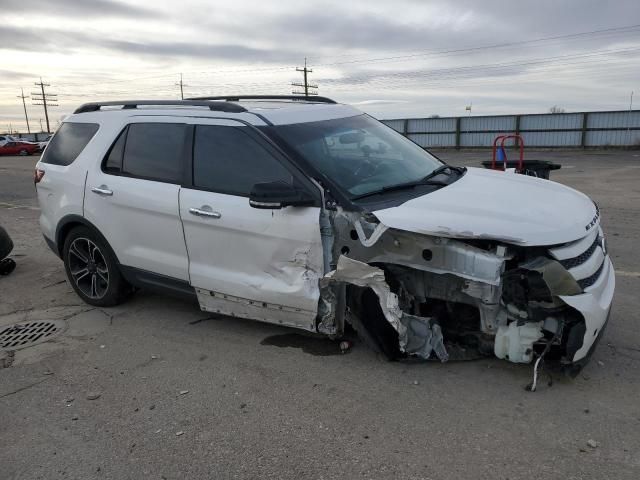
68,223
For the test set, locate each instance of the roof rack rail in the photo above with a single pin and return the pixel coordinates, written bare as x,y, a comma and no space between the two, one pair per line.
130,104
299,98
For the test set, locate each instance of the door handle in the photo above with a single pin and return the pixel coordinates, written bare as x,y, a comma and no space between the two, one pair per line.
201,212
102,190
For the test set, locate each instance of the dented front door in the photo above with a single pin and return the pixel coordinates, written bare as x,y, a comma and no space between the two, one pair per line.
243,261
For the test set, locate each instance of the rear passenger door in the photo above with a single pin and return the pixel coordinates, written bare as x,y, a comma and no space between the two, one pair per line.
132,198
243,261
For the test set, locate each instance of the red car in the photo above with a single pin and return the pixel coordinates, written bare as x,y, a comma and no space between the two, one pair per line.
13,146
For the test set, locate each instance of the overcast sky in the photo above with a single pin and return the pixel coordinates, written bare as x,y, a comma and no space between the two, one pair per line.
400,58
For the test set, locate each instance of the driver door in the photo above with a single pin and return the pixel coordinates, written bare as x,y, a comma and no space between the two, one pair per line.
243,261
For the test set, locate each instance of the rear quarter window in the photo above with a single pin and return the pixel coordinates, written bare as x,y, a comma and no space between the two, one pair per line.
68,143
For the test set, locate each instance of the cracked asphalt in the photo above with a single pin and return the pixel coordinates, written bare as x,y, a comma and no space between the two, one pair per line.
181,394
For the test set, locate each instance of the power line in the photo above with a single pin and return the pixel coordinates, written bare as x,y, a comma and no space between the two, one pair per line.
161,90
46,99
468,82
24,105
457,72
628,29
306,84
482,74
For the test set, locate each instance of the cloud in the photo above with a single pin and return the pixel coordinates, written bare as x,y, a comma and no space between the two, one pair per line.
323,31
196,50
28,39
379,102
13,75
65,41
551,16
78,8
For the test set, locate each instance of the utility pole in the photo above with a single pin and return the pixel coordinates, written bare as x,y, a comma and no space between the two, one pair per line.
47,99
306,84
180,84
24,105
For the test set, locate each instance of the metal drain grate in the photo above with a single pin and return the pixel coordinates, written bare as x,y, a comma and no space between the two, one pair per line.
21,335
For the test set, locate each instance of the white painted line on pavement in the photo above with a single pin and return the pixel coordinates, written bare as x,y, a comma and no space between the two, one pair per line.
12,206
622,273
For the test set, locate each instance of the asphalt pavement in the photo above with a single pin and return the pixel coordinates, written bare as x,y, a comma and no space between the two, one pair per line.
157,389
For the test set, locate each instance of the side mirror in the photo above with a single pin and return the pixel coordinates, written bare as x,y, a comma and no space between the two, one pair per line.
275,195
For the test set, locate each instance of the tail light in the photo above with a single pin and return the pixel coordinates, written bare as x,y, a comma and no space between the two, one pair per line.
37,175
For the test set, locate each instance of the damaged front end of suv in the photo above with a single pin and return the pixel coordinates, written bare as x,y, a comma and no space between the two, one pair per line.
462,298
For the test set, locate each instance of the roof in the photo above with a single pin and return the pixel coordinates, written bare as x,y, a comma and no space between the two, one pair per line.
257,110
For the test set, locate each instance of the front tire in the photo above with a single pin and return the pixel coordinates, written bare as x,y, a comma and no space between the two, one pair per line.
92,269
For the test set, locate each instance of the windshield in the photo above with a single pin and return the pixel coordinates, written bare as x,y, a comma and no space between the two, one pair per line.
359,153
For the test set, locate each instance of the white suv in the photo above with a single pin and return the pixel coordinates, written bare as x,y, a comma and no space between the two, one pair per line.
311,214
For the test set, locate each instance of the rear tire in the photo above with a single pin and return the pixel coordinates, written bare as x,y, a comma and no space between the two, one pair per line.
92,269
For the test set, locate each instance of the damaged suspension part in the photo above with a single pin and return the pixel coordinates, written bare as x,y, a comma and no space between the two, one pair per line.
416,335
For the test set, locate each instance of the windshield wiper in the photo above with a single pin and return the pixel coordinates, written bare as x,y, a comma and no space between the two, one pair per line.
428,180
443,169
401,186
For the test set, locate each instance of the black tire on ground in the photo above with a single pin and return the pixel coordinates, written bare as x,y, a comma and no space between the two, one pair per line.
7,266
6,244
23,153
92,269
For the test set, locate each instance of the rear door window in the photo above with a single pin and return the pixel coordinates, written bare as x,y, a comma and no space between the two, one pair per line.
154,151
68,143
228,160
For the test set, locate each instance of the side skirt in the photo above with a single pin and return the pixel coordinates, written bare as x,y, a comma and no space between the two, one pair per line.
232,306
158,283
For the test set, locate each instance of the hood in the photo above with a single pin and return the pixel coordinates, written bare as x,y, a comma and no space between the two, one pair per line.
487,204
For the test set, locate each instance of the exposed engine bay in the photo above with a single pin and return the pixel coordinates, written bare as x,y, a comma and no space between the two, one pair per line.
453,299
